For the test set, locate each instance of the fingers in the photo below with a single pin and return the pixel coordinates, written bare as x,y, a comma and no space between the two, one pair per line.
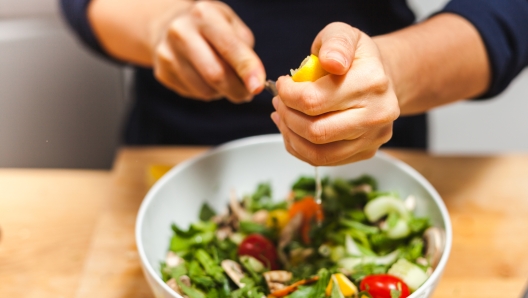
241,30
188,44
342,117
193,60
186,81
335,46
365,80
231,48
335,153
331,127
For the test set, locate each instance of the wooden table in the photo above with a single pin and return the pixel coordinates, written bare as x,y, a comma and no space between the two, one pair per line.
70,233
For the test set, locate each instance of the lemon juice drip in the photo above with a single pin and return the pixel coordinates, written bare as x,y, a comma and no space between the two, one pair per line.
318,186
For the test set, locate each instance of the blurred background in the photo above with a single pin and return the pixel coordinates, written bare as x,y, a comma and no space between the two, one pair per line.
61,106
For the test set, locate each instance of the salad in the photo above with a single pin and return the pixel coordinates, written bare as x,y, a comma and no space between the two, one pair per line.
359,242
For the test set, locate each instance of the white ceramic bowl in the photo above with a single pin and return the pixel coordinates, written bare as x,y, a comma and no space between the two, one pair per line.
242,164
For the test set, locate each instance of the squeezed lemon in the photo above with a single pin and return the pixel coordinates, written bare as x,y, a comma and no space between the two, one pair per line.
309,71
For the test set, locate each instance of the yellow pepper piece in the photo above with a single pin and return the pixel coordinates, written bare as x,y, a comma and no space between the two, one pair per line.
345,285
278,219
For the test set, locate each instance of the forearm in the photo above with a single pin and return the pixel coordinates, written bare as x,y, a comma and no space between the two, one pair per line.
436,62
130,29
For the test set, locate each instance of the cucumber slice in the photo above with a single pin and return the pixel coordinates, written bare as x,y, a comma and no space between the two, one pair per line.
410,273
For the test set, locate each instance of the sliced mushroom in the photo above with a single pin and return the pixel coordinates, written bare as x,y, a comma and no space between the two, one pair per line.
184,279
366,188
422,261
275,286
434,245
277,279
234,271
174,285
410,203
239,212
221,219
173,260
286,236
223,232
260,217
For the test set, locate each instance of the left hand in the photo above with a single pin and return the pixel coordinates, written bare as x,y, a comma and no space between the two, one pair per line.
342,117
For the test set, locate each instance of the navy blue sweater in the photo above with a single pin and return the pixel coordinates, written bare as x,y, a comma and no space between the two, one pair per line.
284,31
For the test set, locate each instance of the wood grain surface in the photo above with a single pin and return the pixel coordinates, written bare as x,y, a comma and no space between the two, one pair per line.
71,233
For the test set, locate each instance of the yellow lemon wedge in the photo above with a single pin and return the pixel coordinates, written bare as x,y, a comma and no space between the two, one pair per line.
155,172
345,285
309,71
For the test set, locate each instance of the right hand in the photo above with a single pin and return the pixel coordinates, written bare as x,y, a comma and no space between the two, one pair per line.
206,53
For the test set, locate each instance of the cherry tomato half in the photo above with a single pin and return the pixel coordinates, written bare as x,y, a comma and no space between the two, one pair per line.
380,286
262,249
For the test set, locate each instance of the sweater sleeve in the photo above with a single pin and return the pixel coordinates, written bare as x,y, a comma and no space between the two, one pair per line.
75,13
503,26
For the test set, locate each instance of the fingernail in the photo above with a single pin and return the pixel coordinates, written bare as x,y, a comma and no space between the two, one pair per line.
336,56
253,84
275,102
275,117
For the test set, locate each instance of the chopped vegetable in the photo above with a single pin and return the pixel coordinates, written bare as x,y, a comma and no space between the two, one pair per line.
291,288
260,248
346,287
311,211
206,213
384,286
410,273
278,219
297,248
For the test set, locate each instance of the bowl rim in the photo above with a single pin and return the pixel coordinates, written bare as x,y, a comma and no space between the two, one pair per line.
277,138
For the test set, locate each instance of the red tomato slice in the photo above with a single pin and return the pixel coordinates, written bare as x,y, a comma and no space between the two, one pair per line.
259,247
380,286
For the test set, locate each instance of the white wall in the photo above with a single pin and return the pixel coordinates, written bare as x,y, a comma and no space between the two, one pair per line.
59,105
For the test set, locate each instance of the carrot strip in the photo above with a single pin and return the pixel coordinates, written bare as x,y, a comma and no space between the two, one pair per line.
293,287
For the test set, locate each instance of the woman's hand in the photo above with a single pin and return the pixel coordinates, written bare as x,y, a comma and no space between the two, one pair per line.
342,117
207,53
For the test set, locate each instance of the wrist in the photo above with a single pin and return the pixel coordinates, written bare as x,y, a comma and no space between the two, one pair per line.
389,49
129,30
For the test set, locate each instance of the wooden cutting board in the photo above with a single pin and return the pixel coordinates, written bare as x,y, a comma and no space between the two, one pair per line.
81,241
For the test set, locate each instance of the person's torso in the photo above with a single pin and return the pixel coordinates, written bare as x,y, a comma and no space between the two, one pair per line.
284,31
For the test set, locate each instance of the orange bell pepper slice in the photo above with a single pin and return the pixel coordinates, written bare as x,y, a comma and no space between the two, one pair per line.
310,210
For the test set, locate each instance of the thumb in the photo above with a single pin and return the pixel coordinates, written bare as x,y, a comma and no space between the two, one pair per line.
336,47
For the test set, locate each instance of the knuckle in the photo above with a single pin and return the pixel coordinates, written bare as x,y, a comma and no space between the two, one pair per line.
379,82
318,157
214,75
382,117
175,31
317,133
230,45
369,154
386,134
341,41
244,65
199,9
310,103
